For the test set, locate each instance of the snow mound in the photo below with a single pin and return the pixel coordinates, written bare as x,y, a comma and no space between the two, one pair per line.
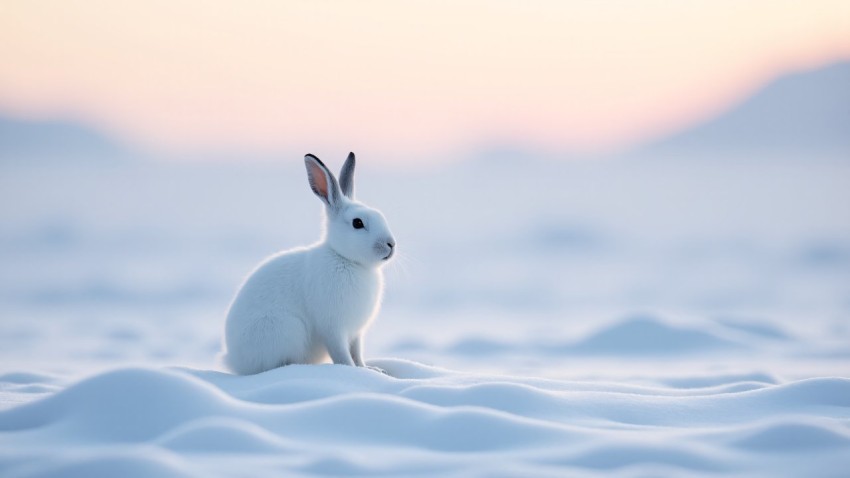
329,419
795,435
222,435
647,335
137,463
639,335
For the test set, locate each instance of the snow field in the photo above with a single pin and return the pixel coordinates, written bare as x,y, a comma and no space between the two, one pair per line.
335,420
590,320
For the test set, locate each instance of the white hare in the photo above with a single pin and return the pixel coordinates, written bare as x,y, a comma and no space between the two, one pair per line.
301,305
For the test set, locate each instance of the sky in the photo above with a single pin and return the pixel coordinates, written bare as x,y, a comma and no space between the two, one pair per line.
401,79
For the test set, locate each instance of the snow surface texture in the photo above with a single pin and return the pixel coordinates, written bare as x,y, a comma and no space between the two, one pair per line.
605,319
338,420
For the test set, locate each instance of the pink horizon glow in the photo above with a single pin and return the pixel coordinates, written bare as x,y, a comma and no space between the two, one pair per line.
390,78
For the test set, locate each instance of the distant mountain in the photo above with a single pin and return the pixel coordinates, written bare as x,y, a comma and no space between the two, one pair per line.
805,114
35,141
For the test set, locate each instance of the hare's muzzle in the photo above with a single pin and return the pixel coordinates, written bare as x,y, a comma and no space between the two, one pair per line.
391,245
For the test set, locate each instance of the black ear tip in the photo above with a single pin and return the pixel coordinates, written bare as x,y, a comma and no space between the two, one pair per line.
351,155
314,158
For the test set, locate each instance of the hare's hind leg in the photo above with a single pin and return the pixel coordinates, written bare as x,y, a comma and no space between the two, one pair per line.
291,342
267,343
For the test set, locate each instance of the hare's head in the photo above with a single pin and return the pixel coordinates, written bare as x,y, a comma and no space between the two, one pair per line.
352,229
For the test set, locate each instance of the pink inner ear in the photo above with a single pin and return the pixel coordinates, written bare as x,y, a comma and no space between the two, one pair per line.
320,182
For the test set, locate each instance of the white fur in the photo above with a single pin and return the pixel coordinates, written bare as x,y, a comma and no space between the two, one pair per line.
301,305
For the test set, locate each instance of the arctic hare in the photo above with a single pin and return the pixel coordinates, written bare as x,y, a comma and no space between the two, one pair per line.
301,305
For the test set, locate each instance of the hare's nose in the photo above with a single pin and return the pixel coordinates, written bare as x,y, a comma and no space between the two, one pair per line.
391,244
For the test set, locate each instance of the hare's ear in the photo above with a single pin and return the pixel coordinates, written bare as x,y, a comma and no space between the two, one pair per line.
322,182
346,177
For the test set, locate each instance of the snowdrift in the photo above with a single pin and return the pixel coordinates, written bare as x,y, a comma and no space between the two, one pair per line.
419,420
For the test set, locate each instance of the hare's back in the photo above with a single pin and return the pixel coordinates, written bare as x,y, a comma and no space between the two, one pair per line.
274,285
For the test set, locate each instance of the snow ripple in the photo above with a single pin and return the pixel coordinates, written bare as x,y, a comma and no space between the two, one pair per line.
316,420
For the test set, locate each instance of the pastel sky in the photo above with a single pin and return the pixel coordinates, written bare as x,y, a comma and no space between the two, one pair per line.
401,78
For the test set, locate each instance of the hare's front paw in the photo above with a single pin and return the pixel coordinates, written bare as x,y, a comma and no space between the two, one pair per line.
377,369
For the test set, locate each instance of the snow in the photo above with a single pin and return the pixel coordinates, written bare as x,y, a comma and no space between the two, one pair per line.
333,419
615,318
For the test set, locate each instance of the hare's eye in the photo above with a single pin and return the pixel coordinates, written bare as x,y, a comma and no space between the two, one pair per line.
357,223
